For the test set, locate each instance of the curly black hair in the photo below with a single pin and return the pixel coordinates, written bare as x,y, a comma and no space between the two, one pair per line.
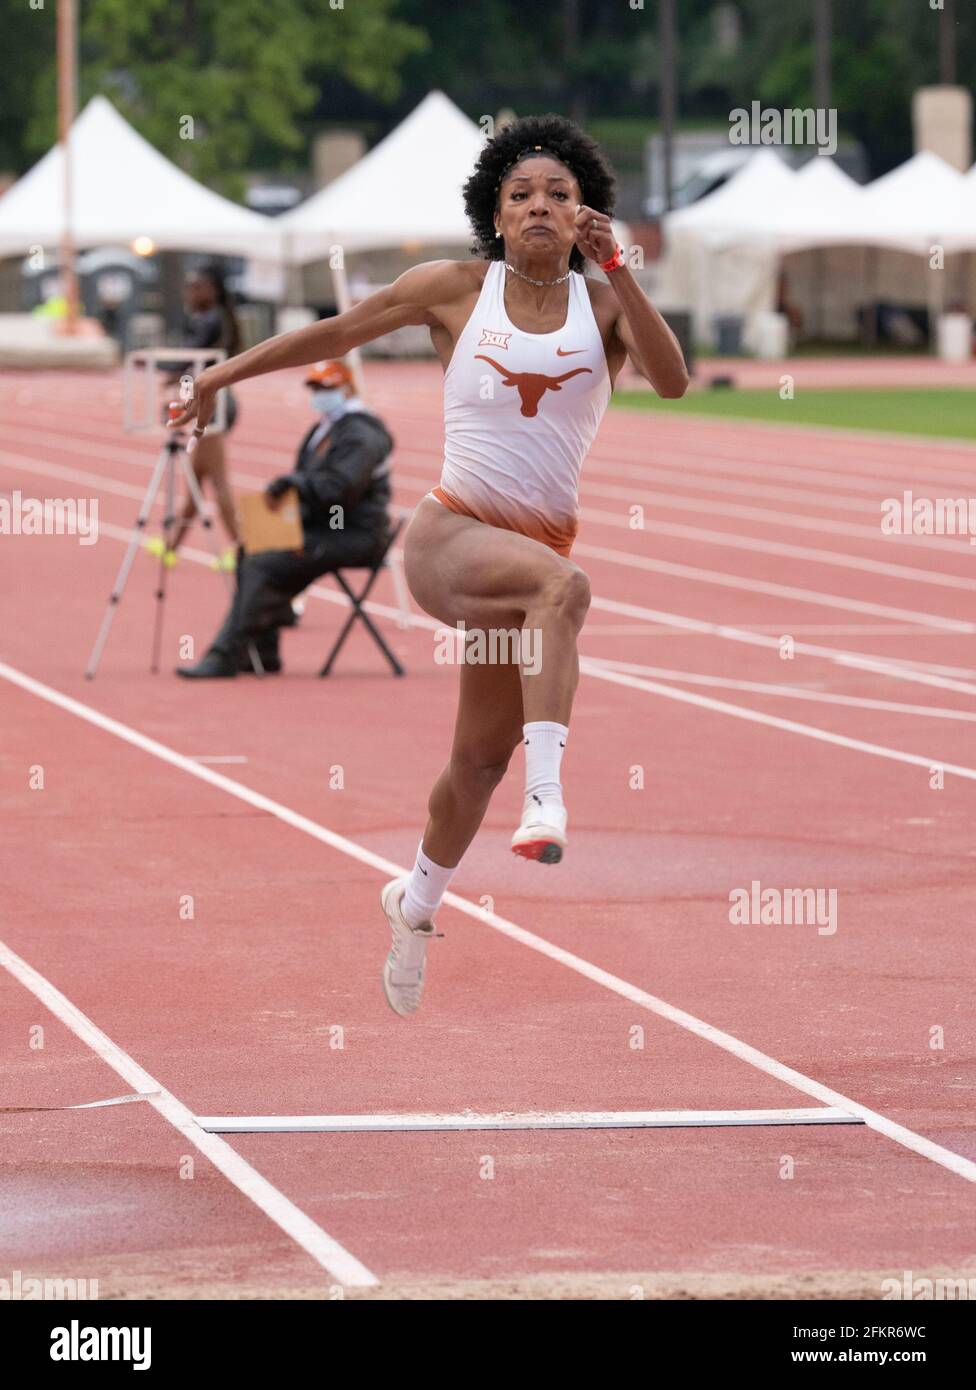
558,137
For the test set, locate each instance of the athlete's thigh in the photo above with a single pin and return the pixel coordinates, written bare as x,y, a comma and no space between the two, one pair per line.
460,570
489,716
208,457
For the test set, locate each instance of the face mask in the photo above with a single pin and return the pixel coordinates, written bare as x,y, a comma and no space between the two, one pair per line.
327,399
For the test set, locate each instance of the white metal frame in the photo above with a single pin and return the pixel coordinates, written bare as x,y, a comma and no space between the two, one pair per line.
143,365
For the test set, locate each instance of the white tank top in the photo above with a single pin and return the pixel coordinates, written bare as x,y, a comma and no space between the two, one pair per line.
520,413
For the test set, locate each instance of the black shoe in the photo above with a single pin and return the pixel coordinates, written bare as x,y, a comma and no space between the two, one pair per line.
212,667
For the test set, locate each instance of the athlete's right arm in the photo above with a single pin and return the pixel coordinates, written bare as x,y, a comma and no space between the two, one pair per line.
409,300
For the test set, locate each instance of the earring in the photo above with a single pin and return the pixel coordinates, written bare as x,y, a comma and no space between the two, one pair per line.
498,234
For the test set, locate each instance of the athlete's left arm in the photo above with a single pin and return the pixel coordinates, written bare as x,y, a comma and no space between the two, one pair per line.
638,327
647,339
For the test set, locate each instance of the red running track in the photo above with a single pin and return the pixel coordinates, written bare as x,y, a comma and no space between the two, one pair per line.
819,771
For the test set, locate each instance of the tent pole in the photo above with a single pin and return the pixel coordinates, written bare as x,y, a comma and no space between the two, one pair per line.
820,271
668,87
67,96
936,305
294,295
872,279
344,303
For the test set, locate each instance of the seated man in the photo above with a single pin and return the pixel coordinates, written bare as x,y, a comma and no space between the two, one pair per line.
342,478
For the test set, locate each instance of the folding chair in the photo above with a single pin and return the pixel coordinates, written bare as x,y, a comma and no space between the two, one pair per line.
385,561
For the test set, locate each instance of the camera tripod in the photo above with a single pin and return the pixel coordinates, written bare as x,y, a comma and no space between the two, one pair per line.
172,454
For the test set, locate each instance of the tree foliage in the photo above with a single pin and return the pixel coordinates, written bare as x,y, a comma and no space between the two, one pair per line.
257,75
244,71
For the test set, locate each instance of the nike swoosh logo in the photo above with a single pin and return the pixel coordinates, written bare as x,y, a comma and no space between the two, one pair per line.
561,744
536,799
423,871
570,353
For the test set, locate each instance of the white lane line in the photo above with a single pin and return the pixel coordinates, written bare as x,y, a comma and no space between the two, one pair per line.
639,629
837,484
879,488
722,539
773,721
801,521
899,1134
642,562
232,757
764,545
685,480
724,449
859,661
73,475
611,456
929,674
792,439
761,586
761,545
325,1251
529,1119
125,455
824,697
923,673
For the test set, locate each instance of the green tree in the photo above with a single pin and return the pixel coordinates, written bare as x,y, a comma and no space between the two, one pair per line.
243,70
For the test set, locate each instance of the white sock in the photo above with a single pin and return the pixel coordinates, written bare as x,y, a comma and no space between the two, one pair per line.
425,888
544,744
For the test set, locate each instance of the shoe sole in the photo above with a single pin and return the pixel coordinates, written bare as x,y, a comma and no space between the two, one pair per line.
543,851
401,1013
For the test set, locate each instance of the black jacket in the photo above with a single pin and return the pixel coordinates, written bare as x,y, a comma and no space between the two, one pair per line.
350,469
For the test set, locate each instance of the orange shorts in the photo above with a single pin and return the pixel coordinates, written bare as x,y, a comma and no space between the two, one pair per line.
556,540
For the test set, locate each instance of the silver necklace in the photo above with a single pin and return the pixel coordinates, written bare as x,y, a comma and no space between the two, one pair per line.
538,282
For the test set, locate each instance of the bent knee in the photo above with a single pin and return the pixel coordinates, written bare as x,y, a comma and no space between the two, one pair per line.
568,589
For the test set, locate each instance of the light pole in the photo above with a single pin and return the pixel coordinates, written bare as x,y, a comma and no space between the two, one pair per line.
822,35
947,44
67,55
668,43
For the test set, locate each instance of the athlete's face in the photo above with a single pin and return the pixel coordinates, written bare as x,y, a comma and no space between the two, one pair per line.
199,293
537,205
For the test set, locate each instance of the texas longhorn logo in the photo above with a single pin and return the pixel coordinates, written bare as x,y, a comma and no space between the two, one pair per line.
532,386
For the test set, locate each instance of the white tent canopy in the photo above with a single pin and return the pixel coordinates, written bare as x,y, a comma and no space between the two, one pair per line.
123,188
923,202
736,212
723,253
406,189
822,207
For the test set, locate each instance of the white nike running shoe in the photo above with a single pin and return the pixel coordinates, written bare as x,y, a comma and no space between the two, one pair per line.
403,969
542,834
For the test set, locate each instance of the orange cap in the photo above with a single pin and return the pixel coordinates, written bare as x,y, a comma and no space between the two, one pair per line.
332,373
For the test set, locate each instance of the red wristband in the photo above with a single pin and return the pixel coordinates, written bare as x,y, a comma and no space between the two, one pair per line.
615,262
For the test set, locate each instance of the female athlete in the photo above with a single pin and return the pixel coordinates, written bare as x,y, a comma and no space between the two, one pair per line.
531,348
213,323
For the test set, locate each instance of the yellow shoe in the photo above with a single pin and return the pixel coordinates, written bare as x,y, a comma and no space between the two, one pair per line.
156,547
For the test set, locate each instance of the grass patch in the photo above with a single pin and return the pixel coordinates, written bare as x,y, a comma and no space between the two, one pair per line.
946,413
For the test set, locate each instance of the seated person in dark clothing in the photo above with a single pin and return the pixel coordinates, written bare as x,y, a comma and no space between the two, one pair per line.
342,478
